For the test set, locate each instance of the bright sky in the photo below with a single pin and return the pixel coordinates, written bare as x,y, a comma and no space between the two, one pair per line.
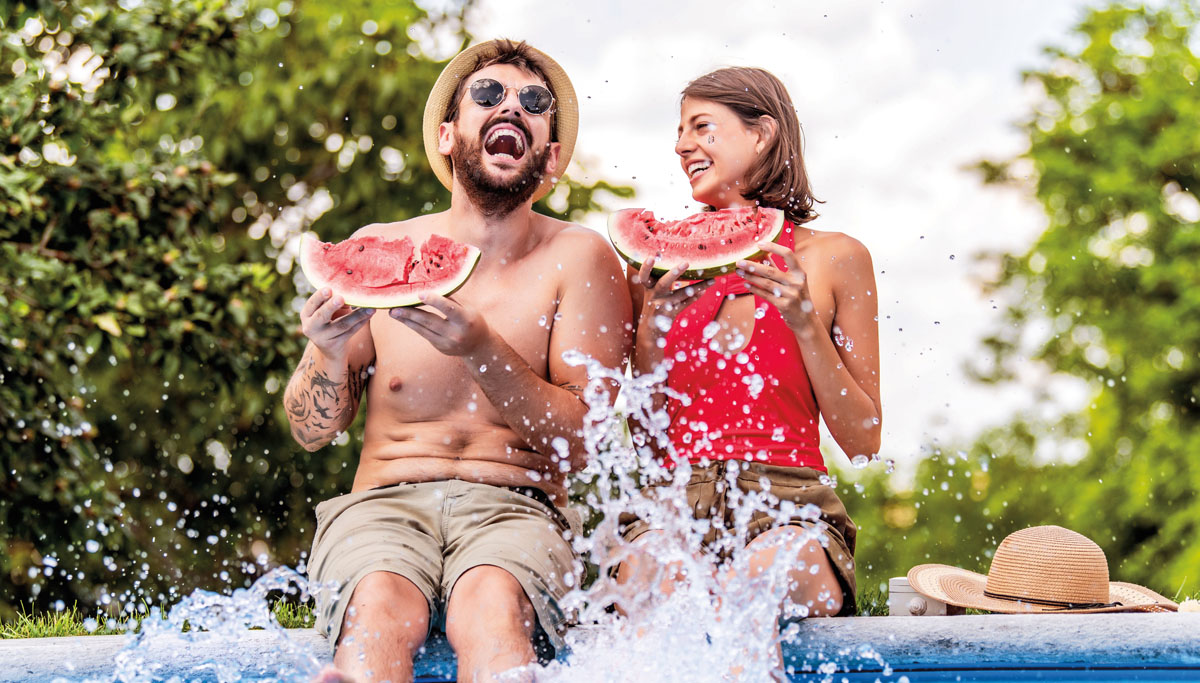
896,98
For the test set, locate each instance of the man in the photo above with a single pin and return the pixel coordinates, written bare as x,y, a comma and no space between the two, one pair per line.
473,417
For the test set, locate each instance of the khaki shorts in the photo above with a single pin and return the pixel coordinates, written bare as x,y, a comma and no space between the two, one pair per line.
431,534
707,497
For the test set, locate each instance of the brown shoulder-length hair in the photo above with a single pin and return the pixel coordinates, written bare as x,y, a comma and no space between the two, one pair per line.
510,52
777,178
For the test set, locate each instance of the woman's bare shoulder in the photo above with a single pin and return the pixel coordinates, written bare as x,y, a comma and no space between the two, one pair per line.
832,246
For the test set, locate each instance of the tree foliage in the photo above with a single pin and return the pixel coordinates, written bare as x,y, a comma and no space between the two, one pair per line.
158,161
1114,157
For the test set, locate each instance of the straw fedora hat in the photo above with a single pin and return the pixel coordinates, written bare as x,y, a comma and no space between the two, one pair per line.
1037,570
566,115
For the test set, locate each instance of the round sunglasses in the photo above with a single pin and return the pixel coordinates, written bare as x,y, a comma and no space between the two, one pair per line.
488,93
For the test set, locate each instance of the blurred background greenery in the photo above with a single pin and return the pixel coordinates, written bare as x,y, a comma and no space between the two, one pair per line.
159,159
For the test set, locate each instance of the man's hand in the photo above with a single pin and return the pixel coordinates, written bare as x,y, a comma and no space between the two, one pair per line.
329,323
460,333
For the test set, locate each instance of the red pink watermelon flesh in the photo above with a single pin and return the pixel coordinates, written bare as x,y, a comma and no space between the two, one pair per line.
378,272
710,242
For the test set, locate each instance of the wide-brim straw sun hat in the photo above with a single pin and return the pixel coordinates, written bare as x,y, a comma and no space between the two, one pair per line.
566,114
1042,569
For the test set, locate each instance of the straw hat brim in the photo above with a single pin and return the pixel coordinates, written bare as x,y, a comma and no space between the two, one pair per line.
566,111
963,588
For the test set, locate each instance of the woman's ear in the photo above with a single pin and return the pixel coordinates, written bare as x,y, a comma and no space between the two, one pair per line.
767,129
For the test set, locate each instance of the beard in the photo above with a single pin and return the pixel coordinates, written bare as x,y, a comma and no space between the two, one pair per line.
491,196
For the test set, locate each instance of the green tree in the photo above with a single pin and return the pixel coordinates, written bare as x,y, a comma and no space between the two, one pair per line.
157,165
1115,149
1114,157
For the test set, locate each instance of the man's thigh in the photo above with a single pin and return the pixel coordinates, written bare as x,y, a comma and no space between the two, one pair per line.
394,529
490,525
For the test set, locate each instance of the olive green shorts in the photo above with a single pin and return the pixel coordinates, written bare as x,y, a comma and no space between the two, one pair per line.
708,498
431,534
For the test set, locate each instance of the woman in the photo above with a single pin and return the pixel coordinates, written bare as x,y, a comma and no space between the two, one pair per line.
795,337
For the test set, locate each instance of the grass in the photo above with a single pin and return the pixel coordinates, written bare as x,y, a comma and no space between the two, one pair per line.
72,622
872,602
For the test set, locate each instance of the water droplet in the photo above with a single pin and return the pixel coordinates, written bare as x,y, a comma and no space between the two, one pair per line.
755,384
92,545
860,461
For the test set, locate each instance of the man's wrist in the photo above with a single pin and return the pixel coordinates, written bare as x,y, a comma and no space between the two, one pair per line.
486,351
332,360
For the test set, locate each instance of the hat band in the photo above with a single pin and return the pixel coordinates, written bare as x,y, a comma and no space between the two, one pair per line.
1051,603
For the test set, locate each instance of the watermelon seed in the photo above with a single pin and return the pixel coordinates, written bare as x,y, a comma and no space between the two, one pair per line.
361,247
349,272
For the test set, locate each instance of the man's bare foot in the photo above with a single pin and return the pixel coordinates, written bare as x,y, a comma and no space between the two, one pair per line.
330,674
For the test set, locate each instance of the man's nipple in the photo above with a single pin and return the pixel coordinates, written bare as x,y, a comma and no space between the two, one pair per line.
394,384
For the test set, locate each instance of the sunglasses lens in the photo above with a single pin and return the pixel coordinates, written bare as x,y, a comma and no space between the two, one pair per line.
536,99
487,92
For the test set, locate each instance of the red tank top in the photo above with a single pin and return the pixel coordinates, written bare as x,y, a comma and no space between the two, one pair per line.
749,403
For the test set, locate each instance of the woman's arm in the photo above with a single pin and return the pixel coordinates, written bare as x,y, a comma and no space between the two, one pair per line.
843,367
656,301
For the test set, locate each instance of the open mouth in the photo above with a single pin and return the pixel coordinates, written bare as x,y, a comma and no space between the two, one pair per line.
695,168
505,140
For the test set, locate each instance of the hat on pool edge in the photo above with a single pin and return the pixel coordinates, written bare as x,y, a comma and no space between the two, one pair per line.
1042,569
566,116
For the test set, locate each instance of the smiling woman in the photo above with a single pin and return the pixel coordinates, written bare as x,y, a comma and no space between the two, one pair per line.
758,357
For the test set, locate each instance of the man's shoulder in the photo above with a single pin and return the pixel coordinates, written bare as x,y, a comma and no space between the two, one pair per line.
565,235
412,227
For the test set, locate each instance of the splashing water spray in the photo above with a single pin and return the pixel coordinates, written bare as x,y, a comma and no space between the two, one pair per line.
719,623
220,623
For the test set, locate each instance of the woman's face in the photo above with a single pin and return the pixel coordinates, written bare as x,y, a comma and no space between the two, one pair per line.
716,151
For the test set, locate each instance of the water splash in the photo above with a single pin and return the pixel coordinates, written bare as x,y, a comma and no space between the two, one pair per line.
721,622
220,624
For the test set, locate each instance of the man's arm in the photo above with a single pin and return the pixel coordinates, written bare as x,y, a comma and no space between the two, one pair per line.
323,395
594,316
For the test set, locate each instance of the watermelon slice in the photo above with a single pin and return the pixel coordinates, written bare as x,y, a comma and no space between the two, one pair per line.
710,242
377,272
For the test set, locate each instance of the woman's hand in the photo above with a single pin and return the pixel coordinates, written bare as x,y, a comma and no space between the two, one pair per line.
786,291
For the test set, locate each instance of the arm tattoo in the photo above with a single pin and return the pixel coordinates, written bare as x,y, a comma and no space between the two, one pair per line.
320,404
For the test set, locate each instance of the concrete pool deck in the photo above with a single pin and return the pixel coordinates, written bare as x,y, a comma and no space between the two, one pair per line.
906,644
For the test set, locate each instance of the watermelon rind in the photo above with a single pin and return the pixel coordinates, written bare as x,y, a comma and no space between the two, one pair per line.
310,250
698,269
